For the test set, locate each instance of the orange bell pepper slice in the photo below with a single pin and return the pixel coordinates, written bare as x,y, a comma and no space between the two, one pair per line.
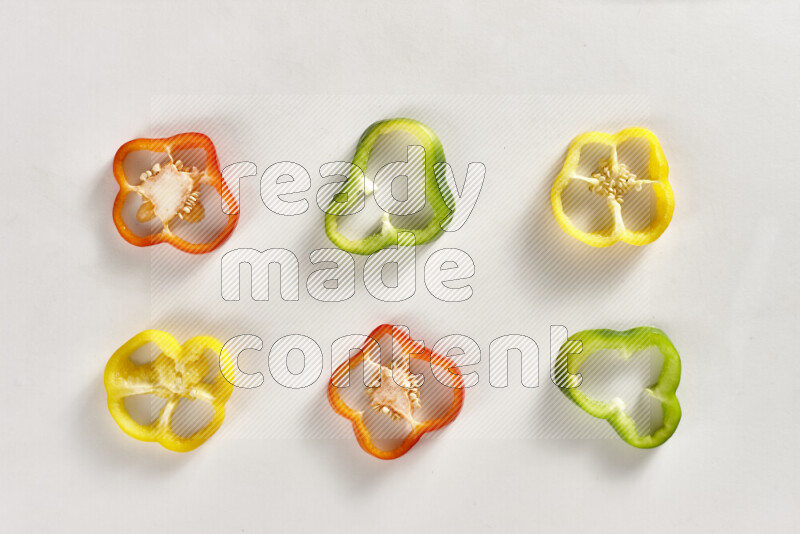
395,400
171,191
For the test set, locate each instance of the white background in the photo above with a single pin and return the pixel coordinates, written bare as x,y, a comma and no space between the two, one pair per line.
720,80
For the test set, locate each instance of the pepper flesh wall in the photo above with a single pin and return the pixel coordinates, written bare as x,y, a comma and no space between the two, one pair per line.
437,193
398,393
612,181
178,373
627,342
170,190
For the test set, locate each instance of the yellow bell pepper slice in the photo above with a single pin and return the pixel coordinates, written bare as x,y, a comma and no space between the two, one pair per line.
613,180
179,372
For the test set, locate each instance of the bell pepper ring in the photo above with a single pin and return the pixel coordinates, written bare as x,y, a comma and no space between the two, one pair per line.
170,190
627,342
612,181
394,392
437,192
179,372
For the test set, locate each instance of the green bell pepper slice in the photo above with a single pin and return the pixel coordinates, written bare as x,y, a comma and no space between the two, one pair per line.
627,342
437,193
